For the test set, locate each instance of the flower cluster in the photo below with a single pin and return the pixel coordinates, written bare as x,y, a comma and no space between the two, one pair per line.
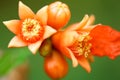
79,42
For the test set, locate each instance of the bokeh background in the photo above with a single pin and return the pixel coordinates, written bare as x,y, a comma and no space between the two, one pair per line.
106,12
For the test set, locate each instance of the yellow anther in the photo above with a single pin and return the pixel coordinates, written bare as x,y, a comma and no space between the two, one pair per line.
83,45
31,30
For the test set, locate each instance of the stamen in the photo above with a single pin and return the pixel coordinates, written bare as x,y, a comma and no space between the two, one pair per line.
31,30
82,45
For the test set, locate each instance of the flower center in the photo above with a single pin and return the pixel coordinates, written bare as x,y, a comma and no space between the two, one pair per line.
82,45
31,30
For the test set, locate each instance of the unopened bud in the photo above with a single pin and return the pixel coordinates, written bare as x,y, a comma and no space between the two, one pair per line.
45,48
55,65
58,15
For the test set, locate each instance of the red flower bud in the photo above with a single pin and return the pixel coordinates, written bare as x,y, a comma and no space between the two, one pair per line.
55,65
58,14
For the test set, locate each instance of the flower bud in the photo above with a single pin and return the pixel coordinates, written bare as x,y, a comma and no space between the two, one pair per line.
45,48
55,65
58,15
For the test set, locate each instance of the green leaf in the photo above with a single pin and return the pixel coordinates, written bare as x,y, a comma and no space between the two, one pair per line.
12,58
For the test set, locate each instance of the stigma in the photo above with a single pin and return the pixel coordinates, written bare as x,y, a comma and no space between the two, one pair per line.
82,46
31,30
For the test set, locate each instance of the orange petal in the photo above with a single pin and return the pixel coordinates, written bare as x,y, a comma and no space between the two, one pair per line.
35,46
84,63
42,15
68,38
55,38
48,32
107,44
74,60
13,26
25,11
90,22
89,28
17,42
59,42
79,25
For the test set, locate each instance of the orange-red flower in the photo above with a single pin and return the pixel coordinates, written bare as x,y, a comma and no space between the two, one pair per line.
82,40
105,41
74,42
31,29
58,14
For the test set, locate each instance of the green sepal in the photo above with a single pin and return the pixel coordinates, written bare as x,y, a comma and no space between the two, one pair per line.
45,48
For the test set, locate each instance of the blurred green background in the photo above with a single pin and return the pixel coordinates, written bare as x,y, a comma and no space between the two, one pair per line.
106,12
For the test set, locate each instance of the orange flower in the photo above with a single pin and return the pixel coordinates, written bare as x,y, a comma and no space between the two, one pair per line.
74,42
58,15
105,41
31,29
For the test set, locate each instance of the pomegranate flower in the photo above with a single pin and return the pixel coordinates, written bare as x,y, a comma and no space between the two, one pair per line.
74,42
81,41
31,29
